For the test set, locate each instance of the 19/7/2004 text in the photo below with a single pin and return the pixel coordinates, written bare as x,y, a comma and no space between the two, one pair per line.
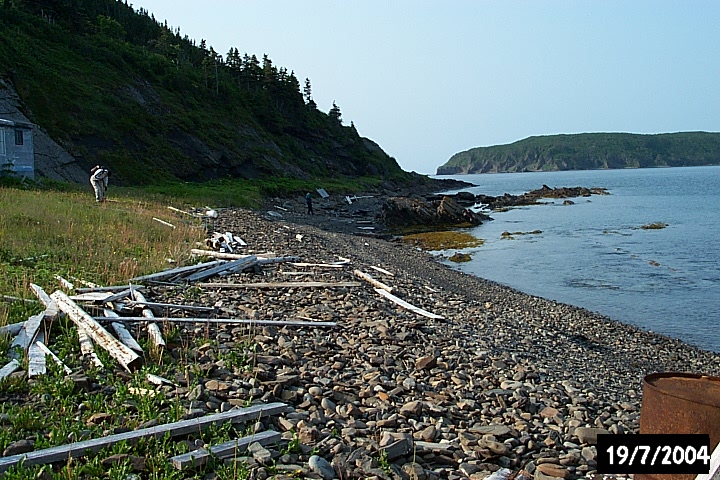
654,453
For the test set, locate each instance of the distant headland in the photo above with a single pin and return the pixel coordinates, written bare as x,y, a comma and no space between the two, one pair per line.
589,151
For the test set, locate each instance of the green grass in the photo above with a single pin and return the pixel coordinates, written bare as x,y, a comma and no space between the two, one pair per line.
51,232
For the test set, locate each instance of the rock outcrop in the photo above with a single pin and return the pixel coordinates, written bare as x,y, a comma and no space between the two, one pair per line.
403,212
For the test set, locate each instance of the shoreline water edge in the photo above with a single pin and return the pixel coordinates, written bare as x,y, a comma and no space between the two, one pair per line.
502,380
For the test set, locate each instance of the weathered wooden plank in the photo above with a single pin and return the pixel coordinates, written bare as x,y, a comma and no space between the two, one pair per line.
79,449
126,337
10,298
9,368
118,296
176,271
45,299
319,265
87,348
228,267
238,321
114,288
201,456
154,332
183,211
64,283
405,304
382,270
124,355
55,358
167,224
170,305
28,332
36,357
214,254
372,281
12,329
271,260
97,297
281,285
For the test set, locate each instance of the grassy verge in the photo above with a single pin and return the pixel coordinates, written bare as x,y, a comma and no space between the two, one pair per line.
49,233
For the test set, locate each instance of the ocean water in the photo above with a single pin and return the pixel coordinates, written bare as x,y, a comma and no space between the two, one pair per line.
594,255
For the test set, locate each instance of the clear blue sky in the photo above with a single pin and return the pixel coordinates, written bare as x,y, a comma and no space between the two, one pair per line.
428,78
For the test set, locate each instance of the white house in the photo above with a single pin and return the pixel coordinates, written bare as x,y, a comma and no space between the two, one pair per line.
17,154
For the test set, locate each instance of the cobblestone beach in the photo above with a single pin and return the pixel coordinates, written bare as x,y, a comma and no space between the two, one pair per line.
502,380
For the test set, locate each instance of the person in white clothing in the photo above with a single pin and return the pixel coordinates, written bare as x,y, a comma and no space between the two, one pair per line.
99,180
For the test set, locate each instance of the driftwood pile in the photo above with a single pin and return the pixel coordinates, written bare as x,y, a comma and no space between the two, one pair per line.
102,316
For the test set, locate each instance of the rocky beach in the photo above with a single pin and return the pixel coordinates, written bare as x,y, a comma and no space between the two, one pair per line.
502,380
449,376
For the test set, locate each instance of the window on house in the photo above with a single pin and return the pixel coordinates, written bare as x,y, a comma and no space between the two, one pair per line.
19,140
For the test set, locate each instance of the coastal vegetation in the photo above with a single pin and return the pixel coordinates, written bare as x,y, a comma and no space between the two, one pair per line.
113,85
589,151
442,240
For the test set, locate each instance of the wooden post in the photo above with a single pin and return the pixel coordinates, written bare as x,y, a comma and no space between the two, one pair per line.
49,352
61,453
405,304
9,368
200,456
124,355
28,332
234,266
12,329
154,333
176,271
87,348
36,357
229,321
372,281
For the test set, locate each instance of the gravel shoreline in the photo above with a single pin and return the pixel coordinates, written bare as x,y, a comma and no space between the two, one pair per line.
505,379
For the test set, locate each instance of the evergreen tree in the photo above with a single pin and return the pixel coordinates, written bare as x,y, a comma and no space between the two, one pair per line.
335,113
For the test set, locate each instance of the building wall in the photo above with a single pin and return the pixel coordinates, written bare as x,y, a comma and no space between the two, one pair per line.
16,149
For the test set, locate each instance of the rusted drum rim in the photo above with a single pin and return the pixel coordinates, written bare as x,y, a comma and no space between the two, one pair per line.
691,396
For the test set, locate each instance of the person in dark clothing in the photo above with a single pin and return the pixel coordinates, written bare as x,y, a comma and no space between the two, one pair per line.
308,199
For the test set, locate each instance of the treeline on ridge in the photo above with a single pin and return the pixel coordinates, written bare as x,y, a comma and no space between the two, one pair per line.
589,151
113,85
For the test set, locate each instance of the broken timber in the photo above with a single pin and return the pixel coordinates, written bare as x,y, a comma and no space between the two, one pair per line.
115,288
226,267
372,281
382,270
125,336
200,456
124,355
47,351
63,452
167,224
153,330
12,329
405,304
27,334
36,357
281,285
9,368
170,305
87,348
177,271
238,321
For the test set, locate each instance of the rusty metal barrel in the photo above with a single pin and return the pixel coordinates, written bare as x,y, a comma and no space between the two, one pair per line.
680,403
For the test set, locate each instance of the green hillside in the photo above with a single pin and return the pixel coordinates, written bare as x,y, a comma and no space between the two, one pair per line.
589,151
114,86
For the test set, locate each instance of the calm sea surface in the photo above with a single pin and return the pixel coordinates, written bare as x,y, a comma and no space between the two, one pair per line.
593,254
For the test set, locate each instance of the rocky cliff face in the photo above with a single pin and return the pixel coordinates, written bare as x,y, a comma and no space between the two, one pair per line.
51,160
